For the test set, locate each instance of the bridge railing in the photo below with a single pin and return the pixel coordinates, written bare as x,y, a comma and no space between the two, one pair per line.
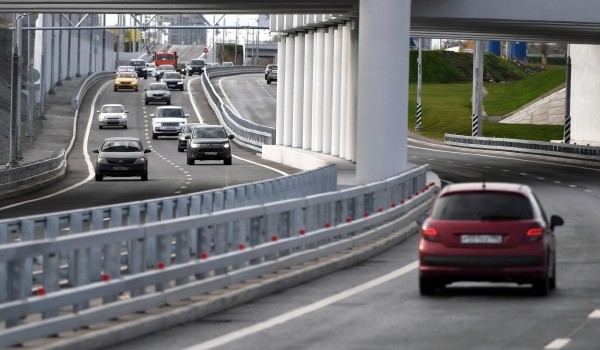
195,253
525,146
248,135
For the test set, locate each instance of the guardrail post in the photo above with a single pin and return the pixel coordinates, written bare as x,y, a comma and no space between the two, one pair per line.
195,209
136,253
220,235
163,242
97,223
3,272
182,239
112,252
151,216
78,261
51,265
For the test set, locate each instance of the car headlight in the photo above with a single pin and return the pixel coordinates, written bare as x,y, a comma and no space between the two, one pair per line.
117,82
179,82
140,160
102,161
195,145
226,145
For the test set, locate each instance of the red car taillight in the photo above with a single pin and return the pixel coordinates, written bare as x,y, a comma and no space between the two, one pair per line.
429,234
535,234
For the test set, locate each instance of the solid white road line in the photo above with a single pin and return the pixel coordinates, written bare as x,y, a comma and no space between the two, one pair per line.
189,91
227,338
557,344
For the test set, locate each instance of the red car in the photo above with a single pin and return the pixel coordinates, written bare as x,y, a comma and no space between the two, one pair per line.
493,232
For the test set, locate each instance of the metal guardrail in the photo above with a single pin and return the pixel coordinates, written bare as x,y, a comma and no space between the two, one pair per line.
32,175
195,253
524,146
248,135
85,85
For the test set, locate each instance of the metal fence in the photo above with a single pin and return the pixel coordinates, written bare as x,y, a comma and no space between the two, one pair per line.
248,135
524,146
195,253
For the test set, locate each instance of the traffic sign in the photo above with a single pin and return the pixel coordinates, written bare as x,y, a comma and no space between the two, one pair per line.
33,75
205,49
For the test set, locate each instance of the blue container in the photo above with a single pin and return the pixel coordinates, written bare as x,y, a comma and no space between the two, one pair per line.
494,47
518,50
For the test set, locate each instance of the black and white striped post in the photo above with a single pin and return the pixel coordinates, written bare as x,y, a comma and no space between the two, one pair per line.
419,125
567,134
477,97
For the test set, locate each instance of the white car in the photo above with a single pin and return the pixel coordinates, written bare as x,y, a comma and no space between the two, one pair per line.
112,115
168,121
151,69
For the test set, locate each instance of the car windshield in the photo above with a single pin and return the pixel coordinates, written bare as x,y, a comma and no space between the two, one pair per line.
121,146
170,113
113,109
166,67
483,206
187,129
198,62
150,65
209,133
138,63
172,75
158,87
126,75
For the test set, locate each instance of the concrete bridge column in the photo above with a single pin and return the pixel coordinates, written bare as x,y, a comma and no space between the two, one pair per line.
308,90
352,93
328,90
318,80
585,94
382,90
279,122
346,52
298,103
289,90
337,92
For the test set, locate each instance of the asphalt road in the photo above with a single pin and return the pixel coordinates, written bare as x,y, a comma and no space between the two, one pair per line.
376,304
168,172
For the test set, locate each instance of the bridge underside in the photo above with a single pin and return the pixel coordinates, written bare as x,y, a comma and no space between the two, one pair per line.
517,20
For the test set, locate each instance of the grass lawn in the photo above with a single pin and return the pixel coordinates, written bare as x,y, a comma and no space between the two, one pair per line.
447,107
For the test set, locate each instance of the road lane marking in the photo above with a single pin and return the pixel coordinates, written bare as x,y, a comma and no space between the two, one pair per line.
288,316
194,106
557,344
594,314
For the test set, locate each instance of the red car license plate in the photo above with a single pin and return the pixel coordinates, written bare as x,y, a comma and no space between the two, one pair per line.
481,239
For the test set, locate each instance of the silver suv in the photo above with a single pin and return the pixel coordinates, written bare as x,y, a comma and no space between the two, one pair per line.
168,121
157,92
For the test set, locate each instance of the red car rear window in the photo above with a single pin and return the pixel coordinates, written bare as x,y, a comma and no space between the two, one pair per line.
483,206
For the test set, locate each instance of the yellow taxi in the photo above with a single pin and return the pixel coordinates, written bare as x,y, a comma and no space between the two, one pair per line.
126,80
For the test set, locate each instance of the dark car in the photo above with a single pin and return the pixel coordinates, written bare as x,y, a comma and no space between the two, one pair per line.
181,67
186,130
121,156
163,68
209,142
491,232
272,75
157,92
140,67
268,69
173,80
196,66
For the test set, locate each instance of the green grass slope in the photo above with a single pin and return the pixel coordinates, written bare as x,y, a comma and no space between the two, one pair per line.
447,89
